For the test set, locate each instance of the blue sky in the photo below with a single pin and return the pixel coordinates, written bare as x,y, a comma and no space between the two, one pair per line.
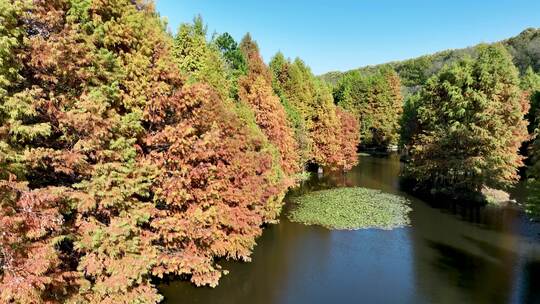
345,34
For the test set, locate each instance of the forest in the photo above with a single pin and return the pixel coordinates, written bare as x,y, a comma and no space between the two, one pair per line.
129,154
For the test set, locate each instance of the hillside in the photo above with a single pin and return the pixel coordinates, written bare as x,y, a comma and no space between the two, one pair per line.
525,48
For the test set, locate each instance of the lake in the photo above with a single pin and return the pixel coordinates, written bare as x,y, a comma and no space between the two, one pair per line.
449,254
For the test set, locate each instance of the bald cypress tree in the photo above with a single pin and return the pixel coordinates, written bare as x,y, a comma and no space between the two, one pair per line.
470,125
286,82
530,83
377,102
255,89
123,156
224,176
199,60
73,123
318,124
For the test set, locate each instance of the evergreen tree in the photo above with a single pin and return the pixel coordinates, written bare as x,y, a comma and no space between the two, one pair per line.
200,60
234,59
377,101
470,126
530,83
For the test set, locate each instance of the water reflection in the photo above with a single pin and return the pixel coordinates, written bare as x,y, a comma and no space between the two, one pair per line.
448,255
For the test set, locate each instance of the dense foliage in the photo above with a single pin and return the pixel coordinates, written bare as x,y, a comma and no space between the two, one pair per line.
315,118
255,89
530,83
128,154
469,125
377,102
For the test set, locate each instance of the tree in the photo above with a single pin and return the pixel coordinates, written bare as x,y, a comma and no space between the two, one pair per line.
73,123
200,60
470,126
234,59
285,77
349,138
224,178
124,157
377,101
325,129
409,121
530,83
222,184
255,89
312,109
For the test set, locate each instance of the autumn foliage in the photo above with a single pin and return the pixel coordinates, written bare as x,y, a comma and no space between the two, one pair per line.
35,263
310,106
221,184
348,134
377,102
255,89
124,154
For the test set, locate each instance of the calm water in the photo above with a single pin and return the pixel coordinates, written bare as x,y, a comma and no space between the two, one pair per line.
448,255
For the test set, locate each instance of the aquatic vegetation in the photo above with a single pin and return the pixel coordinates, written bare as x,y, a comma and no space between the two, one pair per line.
351,208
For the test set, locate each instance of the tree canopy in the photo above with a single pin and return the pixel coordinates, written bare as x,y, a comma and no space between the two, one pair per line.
377,102
128,154
469,125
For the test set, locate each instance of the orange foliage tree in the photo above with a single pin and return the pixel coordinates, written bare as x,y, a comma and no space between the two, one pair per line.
349,138
220,187
71,121
311,107
34,253
255,89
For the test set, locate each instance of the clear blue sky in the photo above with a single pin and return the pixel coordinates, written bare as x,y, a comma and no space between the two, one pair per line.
345,34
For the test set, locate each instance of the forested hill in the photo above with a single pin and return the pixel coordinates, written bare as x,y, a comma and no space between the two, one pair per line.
525,49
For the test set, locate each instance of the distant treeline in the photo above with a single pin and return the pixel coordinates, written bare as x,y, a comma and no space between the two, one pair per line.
524,48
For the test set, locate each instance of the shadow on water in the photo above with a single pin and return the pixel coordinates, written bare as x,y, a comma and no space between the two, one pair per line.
454,254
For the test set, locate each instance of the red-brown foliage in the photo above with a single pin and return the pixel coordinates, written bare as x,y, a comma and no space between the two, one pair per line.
33,266
325,130
128,172
349,136
220,184
72,123
255,89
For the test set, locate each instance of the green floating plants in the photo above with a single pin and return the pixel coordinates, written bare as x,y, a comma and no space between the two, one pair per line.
351,208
